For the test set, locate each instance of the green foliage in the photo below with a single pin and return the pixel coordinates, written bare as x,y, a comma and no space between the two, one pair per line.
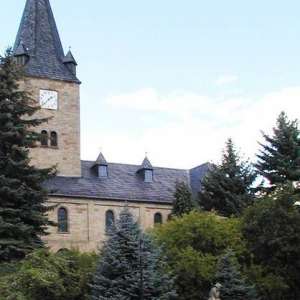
47,276
130,266
272,231
279,159
228,187
193,245
233,284
23,217
184,202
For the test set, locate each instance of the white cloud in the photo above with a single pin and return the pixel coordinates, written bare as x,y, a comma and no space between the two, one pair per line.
227,79
198,128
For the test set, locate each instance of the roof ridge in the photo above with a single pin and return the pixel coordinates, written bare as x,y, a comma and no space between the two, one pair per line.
138,166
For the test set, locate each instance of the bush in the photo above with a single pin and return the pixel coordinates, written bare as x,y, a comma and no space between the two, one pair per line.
48,276
193,245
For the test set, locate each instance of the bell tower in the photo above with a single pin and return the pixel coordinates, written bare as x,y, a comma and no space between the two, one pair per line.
52,81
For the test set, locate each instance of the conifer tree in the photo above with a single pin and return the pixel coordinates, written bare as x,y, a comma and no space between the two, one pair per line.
228,187
184,202
279,159
130,267
22,197
271,230
233,286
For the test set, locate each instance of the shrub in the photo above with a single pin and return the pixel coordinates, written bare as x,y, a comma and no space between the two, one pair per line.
193,245
47,276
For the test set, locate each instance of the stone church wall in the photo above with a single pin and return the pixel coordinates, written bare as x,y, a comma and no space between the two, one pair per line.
65,122
86,221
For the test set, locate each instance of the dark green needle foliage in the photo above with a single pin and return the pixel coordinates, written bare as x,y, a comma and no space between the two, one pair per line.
22,198
130,266
279,159
228,187
271,229
233,284
184,202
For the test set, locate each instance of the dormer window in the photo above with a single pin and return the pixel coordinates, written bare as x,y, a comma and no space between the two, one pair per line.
102,171
146,171
101,166
148,176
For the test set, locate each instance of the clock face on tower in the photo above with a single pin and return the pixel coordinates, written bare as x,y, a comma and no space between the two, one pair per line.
49,99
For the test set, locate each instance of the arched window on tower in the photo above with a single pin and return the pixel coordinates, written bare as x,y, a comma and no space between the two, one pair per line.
62,220
158,219
109,220
53,139
44,138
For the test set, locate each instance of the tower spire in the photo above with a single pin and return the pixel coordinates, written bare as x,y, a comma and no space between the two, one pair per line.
39,35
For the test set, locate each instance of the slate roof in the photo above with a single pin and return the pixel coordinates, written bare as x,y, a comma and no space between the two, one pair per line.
124,182
69,58
39,35
101,161
146,164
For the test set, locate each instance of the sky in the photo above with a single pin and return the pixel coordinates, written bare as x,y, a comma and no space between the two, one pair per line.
173,78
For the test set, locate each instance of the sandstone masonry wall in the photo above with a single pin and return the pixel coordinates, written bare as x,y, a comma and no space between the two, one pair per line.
65,122
86,221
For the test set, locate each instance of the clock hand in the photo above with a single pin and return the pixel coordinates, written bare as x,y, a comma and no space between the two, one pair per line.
48,100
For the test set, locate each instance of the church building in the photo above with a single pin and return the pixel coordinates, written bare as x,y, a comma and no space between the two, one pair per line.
86,195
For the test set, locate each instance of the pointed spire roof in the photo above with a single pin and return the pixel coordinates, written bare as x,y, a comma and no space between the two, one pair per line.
101,161
21,50
39,33
146,164
69,58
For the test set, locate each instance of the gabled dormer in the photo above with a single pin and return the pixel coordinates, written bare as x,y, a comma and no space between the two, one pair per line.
21,54
146,171
70,62
101,166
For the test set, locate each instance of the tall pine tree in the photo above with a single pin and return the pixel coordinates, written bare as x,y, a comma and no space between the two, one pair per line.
228,187
279,159
184,202
130,267
233,286
22,197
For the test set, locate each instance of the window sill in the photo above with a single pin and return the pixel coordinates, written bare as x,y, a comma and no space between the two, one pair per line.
49,147
64,233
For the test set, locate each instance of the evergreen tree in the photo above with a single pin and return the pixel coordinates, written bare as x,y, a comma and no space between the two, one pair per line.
130,267
279,159
22,198
228,187
184,202
233,286
271,229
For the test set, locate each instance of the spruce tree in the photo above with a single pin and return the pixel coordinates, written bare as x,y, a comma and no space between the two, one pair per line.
228,187
271,230
184,202
130,266
279,159
22,197
233,286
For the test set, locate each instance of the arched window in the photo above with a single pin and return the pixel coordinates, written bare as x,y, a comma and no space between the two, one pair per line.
44,138
157,219
62,220
53,139
109,220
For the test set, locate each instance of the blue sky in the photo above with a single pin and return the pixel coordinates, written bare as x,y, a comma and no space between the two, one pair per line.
176,78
